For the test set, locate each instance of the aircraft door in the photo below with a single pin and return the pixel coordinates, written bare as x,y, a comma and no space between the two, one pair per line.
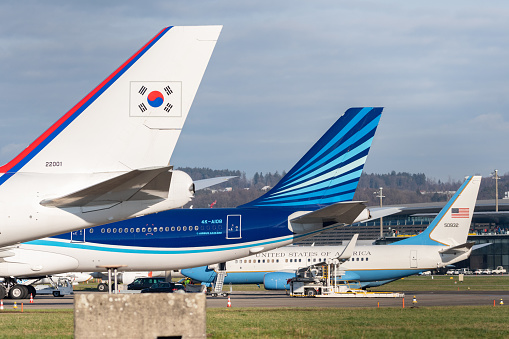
413,259
78,236
233,227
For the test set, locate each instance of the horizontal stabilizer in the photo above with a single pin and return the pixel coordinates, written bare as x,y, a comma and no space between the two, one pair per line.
342,212
204,183
459,248
141,184
380,212
478,246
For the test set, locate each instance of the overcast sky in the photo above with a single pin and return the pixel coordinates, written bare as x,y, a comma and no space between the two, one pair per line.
281,74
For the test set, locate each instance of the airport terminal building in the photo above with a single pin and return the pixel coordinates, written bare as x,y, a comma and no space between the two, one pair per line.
488,226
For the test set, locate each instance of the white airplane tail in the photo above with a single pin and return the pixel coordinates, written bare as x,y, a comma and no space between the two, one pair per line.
133,119
450,227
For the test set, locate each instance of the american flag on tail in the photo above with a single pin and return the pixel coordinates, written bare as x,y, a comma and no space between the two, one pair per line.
459,212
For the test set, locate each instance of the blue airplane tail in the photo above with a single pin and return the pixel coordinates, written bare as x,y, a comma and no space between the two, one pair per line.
330,170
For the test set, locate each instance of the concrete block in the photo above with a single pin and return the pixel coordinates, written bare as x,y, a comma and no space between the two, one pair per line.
147,315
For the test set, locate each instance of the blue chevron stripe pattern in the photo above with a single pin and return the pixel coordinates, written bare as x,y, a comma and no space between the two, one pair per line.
330,170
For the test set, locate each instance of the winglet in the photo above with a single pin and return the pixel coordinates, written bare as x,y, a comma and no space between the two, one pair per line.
348,251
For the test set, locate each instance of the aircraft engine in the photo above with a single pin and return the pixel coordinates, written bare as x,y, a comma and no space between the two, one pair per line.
277,280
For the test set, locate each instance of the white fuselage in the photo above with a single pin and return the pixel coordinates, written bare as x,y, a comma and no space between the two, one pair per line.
23,218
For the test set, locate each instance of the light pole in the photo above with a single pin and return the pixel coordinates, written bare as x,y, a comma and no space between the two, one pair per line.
380,195
496,177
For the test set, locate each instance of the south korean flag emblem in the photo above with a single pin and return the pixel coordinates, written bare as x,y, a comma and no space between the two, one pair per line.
156,99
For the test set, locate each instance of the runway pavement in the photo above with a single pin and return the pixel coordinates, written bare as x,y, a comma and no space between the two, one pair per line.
280,299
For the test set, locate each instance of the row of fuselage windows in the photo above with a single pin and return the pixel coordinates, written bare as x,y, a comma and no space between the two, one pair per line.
275,261
158,229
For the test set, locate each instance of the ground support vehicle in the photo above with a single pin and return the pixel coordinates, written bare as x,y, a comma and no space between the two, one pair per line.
499,270
62,287
324,280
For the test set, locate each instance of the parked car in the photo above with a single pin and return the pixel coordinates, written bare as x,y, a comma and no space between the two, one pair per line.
486,271
478,271
449,272
465,271
165,287
499,270
142,283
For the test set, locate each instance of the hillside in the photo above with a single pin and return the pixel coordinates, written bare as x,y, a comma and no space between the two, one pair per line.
398,187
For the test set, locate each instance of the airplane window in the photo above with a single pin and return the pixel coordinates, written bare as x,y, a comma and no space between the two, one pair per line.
264,261
286,260
190,228
357,259
108,230
300,260
367,259
149,229
203,228
102,230
167,229
178,228
160,229
277,260
362,259
137,230
114,230
155,229
291,260
132,230
143,229
196,228
309,260
272,260
258,260
184,228
91,230
126,230
208,227
119,230
173,228
249,260
220,227
314,259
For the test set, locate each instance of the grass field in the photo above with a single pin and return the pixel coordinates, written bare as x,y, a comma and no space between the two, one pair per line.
436,322
422,322
447,283
433,322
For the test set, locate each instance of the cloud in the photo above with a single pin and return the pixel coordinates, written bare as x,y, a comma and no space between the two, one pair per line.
281,74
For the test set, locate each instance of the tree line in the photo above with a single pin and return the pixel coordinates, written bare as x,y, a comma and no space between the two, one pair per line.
398,187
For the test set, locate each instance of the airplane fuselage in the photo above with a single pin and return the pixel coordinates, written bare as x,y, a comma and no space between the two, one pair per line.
170,240
367,264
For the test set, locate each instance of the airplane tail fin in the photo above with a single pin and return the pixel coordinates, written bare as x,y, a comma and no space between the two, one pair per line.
330,170
450,227
133,119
